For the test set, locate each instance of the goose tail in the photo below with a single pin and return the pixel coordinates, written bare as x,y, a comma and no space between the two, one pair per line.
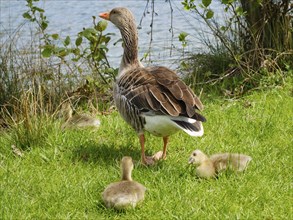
190,126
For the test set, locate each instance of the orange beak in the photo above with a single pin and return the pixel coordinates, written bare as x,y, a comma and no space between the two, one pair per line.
105,15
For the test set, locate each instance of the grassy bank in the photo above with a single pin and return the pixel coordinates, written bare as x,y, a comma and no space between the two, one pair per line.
63,175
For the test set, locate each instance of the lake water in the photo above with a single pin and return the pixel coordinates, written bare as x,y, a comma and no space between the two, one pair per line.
69,17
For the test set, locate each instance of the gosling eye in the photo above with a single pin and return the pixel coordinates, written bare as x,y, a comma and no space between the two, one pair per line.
194,154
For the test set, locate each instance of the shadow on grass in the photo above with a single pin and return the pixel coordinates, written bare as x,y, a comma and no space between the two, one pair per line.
102,208
103,154
110,154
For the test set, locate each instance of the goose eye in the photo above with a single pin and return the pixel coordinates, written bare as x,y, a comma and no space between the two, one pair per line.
194,154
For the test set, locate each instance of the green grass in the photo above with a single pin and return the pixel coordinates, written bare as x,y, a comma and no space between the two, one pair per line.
63,176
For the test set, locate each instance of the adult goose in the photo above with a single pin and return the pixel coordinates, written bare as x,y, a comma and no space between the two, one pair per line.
151,99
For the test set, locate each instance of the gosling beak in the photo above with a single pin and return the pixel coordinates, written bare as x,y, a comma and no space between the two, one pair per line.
105,15
191,160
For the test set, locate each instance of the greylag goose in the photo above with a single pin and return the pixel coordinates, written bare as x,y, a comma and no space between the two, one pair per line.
126,193
77,120
208,167
151,99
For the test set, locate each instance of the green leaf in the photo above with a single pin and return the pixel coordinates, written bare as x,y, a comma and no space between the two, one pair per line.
47,52
104,39
67,41
76,51
223,28
29,3
107,39
102,25
109,70
209,14
44,25
239,11
37,9
225,2
61,52
26,15
206,3
103,47
182,36
78,41
55,36
188,4
88,33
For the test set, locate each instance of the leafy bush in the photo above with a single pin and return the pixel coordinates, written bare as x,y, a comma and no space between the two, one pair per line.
254,42
57,65
37,78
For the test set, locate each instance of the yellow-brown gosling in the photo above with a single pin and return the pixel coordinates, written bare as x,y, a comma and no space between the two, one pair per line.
125,193
77,120
208,167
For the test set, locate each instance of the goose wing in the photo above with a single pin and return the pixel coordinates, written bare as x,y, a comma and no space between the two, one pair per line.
159,90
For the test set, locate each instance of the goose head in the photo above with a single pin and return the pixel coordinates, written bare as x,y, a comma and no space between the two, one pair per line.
124,20
197,157
126,167
120,17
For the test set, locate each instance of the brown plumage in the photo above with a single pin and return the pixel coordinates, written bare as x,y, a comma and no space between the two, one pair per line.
159,89
151,99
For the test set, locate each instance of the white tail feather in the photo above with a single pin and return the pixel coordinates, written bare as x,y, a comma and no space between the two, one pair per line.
163,125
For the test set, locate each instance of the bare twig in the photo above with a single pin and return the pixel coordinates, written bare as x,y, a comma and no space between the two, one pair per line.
143,14
171,26
152,27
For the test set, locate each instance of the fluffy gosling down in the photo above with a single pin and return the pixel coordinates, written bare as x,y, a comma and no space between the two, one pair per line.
125,193
77,120
208,167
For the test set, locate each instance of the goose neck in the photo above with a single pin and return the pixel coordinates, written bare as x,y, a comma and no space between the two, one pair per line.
130,45
126,174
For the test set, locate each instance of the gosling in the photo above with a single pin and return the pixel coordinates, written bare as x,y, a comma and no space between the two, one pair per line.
125,193
77,120
210,167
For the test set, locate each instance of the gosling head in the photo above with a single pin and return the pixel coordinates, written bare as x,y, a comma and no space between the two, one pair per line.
66,110
120,17
197,157
126,167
